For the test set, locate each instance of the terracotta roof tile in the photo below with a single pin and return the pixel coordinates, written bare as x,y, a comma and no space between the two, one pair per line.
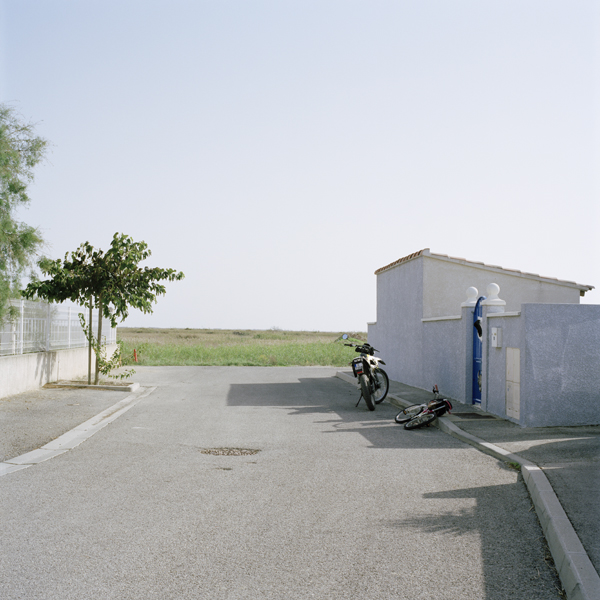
401,260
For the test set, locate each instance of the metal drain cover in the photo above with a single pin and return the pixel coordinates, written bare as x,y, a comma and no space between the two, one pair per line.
229,451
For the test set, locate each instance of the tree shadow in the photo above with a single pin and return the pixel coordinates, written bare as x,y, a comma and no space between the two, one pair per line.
515,558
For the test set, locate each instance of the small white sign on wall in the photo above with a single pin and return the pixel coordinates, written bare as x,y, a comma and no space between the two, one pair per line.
496,337
513,383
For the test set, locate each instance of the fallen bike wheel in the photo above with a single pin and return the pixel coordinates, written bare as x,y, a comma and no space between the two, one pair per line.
410,412
421,420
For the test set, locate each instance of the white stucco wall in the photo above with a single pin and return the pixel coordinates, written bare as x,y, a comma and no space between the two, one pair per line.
561,367
425,335
23,372
444,357
559,364
398,332
445,281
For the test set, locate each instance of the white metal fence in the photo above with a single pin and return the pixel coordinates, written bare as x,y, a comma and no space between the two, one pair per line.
41,327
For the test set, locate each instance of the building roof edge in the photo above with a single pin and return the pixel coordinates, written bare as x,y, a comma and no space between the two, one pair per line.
424,252
427,252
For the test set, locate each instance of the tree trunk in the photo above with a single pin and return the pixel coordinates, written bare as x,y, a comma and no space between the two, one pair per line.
90,347
99,340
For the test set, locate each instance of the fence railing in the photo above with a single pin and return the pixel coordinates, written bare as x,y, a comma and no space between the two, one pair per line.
41,327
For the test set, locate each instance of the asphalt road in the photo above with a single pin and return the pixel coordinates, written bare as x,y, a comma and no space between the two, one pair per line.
337,503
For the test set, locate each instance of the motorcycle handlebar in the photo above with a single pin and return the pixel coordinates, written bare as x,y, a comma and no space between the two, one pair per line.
366,348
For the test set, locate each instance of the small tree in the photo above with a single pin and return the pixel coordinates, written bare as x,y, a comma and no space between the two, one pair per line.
20,152
111,282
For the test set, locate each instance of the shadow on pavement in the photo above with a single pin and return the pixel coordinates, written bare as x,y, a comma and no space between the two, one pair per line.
497,513
493,517
324,396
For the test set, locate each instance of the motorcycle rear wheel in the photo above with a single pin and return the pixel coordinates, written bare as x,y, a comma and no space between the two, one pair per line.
366,392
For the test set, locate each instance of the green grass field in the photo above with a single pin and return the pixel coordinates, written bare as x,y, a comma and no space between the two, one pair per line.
181,347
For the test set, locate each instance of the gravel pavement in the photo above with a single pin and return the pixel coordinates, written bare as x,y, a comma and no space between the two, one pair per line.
314,498
30,420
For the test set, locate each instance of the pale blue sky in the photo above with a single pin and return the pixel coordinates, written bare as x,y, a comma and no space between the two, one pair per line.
280,152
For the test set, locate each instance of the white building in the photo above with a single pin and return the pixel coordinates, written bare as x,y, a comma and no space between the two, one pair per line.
424,331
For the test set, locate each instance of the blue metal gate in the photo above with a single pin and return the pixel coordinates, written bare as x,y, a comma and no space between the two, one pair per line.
477,350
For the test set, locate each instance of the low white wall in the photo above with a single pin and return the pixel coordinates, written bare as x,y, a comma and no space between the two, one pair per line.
24,372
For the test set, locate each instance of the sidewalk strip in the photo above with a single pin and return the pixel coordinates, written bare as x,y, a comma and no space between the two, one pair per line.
71,439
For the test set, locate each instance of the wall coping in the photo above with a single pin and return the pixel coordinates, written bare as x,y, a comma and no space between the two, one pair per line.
451,318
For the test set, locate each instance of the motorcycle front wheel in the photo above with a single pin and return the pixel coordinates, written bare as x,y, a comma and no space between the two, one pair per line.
366,392
381,385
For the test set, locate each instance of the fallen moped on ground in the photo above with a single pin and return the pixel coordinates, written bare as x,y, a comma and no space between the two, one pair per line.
373,380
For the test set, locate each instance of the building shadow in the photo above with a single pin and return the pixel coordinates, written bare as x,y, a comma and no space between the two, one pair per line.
332,401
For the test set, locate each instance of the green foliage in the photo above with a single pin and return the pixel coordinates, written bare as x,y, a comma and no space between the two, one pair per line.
112,282
105,365
20,151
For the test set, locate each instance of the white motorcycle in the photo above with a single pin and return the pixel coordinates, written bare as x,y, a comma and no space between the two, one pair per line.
374,382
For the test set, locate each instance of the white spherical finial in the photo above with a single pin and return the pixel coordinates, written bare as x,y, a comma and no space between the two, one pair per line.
472,294
493,289
493,302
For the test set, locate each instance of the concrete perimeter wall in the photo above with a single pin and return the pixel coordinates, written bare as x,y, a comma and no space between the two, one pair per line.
432,351
24,372
560,365
445,346
543,370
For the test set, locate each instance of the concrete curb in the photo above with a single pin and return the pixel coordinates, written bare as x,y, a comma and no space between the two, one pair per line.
71,439
132,387
575,569
348,378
